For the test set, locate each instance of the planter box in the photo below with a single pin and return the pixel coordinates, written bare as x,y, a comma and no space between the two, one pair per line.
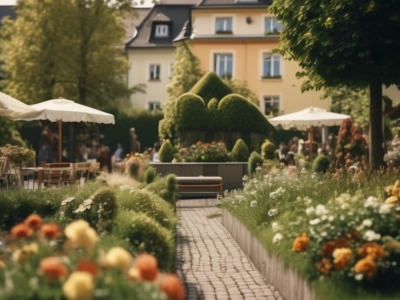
289,284
231,173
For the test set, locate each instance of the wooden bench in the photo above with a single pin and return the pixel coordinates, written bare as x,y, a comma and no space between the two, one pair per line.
202,186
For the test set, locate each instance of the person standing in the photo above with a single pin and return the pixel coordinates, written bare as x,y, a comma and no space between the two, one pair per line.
135,143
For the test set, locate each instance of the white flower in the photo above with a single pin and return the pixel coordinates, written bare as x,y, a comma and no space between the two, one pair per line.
385,208
245,178
324,233
367,222
253,203
315,221
321,210
343,198
310,210
277,237
345,206
324,217
307,200
371,202
240,198
272,212
331,218
359,277
370,236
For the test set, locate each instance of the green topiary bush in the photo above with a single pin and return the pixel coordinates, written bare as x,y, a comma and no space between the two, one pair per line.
321,164
172,190
150,175
213,104
190,112
211,86
166,188
240,151
268,150
103,209
166,153
145,235
254,160
142,201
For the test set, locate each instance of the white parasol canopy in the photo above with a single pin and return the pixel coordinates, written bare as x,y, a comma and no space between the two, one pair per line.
309,117
13,108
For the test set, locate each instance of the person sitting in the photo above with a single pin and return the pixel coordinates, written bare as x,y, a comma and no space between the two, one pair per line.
156,149
119,153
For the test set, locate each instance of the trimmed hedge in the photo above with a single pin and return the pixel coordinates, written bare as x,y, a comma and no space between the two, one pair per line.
321,164
211,86
166,153
240,151
190,110
268,150
254,160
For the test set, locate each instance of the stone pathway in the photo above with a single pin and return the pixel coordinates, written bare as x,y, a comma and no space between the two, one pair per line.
210,262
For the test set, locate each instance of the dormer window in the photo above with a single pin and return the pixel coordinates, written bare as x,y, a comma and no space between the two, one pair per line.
223,25
162,31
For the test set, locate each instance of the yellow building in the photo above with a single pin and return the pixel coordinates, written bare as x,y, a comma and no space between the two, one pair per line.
236,38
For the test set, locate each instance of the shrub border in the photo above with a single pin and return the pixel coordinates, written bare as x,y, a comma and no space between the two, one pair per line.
288,282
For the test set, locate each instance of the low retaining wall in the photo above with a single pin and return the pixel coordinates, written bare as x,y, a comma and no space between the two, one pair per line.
289,284
231,173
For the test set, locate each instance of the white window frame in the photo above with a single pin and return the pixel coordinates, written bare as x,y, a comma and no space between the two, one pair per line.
273,97
159,71
153,102
215,65
161,30
271,19
272,71
225,19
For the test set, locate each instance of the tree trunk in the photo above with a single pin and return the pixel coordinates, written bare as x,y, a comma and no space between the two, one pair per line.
375,128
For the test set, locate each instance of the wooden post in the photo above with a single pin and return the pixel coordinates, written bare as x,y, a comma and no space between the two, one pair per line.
59,141
311,140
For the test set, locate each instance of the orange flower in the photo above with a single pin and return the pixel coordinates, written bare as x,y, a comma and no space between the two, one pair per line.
21,230
53,268
353,235
328,248
301,243
371,249
199,143
34,221
342,257
147,266
86,265
173,287
213,143
325,266
50,230
366,266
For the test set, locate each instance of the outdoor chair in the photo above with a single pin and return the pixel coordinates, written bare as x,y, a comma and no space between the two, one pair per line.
60,177
4,169
82,171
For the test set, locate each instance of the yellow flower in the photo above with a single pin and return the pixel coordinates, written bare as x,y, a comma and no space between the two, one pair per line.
32,248
2,264
119,258
342,257
79,286
134,274
392,200
82,235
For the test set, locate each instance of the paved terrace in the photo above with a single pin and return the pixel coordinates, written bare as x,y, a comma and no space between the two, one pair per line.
210,262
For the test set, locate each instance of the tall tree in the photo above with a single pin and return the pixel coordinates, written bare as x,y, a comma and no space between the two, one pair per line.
353,43
68,48
186,73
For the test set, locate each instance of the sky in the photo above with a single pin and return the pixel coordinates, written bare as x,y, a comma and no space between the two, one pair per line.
12,2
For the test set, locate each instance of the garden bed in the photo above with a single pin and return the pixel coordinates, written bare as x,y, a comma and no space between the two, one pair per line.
232,173
288,282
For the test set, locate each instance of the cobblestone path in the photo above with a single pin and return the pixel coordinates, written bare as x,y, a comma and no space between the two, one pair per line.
210,262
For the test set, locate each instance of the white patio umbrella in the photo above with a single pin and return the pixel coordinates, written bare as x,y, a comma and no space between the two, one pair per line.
13,108
307,119
63,110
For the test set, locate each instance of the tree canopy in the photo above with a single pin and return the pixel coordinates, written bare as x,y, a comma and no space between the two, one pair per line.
67,48
353,43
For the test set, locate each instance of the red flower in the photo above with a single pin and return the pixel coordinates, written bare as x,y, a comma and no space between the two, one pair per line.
34,221
21,230
214,143
173,287
199,143
50,230
53,268
147,266
86,265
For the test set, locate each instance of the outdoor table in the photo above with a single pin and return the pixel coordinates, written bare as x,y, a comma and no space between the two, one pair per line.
40,171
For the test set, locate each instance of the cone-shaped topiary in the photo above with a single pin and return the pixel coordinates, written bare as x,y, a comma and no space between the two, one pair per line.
142,201
166,153
104,208
254,160
321,164
268,150
172,188
150,175
240,151
145,235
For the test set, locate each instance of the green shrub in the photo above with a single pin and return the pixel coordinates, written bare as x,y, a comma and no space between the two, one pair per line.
240,151
190,112
166,188
104,208
232,157
254,160
213,104
150,175
142,201
145,235
321,164
211,86
172,189
268,150
166,153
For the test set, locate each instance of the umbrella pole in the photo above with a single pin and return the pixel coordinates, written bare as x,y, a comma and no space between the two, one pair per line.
59,141
310,139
